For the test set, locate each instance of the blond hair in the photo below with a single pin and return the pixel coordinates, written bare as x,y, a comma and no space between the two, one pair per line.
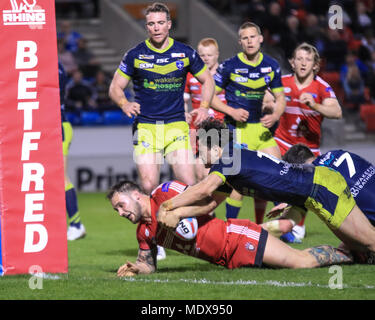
310,49
247,25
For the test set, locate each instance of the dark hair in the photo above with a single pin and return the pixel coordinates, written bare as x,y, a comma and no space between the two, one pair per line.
124,186
158,7
298,153
213,132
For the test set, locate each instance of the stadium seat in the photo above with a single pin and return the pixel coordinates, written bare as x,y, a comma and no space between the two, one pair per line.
73,118
367,114
116,117
90,118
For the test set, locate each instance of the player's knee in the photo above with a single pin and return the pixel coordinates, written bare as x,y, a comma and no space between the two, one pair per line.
148,185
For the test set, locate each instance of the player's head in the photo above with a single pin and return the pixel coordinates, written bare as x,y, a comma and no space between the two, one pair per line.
126,198
250,38
208,49
299,153
213,135
158,22
305,60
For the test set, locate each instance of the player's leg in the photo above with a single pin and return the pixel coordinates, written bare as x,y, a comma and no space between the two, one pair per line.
278,254
357,232
76,229
148,159
148,167
178,152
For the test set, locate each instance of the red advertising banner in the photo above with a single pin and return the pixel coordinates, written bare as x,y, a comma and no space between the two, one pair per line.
32,195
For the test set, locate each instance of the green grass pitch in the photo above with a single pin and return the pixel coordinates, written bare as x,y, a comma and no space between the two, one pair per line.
110,241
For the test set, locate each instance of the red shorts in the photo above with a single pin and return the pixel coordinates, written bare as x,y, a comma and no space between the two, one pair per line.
245,246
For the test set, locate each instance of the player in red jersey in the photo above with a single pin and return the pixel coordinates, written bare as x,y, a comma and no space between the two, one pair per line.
233,244
208,50
309,99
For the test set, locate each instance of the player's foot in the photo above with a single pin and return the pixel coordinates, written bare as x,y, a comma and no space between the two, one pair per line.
299,232
290,238
75,233
161,253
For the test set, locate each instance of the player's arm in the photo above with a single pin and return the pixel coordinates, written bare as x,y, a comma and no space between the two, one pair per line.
116,93
145,264
329,108
208,90
172,218
193,194
237,114
269,119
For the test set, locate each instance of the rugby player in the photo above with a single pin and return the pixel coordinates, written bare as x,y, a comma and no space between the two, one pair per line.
76,229
309,99
233,244
359,174
246,77
208,50
318,189
158,67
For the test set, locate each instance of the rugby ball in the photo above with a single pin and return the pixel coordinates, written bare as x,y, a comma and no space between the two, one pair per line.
187,228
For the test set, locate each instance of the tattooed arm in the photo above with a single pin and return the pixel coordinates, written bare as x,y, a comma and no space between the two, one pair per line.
145,264
327,255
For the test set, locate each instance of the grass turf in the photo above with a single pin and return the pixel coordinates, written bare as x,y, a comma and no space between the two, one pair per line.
110,241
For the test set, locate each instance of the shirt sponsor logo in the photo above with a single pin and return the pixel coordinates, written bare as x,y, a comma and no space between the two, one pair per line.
240,79
254,75
146,56
165,187
242,70
164,60
146,65
178,55
24,12
265,70
287,89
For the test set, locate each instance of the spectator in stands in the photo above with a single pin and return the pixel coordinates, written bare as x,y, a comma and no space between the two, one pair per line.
362,17
354,86
334,50
352,60
101,85
87,62
275,23
80,95
311,29
66,58
71,37
291,36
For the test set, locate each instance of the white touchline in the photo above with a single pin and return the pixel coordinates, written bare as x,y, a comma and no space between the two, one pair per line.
273,283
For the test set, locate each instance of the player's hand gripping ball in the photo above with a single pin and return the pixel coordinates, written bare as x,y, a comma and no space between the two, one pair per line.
187,228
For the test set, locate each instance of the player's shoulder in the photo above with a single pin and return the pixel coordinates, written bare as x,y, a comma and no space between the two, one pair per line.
181,48
167,189
270,60
320,81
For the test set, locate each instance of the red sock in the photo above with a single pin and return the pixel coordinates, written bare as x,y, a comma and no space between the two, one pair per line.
302,222
260,208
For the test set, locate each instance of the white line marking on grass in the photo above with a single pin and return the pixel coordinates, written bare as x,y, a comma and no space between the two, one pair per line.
272,283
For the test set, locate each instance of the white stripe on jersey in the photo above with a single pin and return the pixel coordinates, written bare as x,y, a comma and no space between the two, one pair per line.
299,111
290,145
178,187
232,228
